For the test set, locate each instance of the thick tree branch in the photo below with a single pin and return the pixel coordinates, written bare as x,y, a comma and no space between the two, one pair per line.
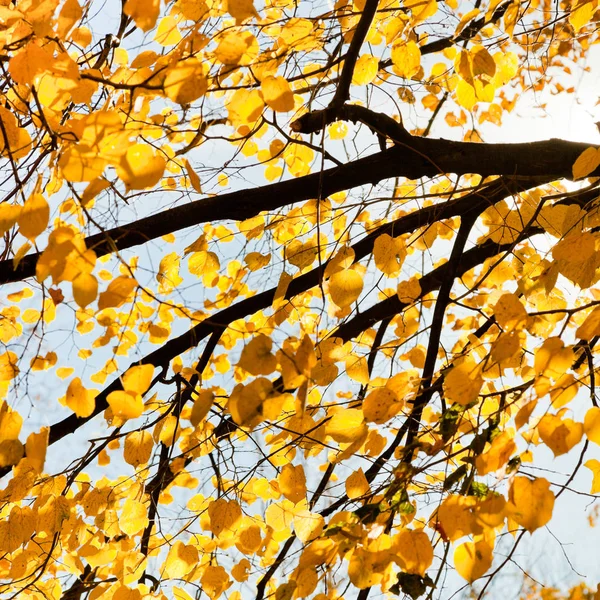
415,158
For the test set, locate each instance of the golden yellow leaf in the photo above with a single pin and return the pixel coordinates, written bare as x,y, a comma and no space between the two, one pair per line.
194,179
414,551
34,216
357,485
140,167
292,483
245,107
11,452
214,580
406,58
8,366
497,455
181,559
590,327
277,93
186,82
241,570
463,383
143,12
582,14
594,466
345,287
35,448
308,526
408,291
79,399
389,254
241,10
357,369
473,559
365,70
421,9
552,359
28,62
560,435
510,313
69,15
256,357
9,214
202,405
133,518
591,424
125,405
168,273
347,425
118,292
381,405
225,516
167,32
138,447
85,289
530,502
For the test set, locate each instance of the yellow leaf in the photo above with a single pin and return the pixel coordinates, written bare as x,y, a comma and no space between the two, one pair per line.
408,291
214,580
9,214
133,518
389,254
118,292
11,452
498,454
357,485
140,167
85,289
8,368
29,62
552,359
594,466
465,95
510,313
463,383
138,448
421,9
186,82
530,502
455,517
365,70
246,402
473,559
33,218
591,424
167,33
345,287
237,48
292,483
241,10
347,425
256,357
406,58
277,93
279,515
80,163
256,260
590,327
414,551
125,405
357,369
79,399
582,14
224,516
143,12
308,526
560,435
194,179
35,448
381,405
202,405
69,14
168,273
181,559
245,107
137,380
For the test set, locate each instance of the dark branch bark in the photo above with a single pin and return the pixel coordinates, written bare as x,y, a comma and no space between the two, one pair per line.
416,158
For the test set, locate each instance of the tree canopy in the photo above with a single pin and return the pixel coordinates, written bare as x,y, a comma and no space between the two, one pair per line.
280,318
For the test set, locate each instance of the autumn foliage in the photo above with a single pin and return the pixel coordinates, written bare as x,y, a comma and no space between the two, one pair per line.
279,320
